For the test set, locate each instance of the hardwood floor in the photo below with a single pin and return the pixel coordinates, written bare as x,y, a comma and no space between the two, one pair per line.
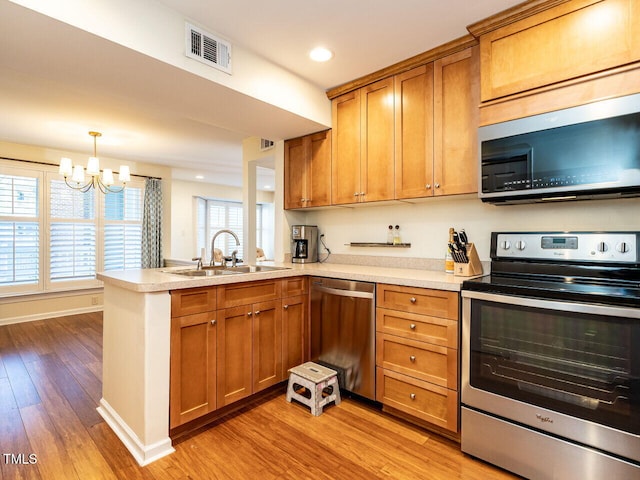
50,386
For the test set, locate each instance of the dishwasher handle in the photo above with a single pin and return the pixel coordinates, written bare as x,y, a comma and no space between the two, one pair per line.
342,293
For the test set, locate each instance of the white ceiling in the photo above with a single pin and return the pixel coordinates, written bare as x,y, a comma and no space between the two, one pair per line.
58,82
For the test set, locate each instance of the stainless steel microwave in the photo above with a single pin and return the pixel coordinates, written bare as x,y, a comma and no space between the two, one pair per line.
590,151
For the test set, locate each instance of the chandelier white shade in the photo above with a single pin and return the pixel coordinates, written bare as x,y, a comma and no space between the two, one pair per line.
102,181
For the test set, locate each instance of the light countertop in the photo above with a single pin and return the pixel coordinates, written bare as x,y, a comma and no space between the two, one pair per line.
161,279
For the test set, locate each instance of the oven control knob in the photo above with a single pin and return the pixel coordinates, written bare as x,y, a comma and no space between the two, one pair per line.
623,247
602,247
505,244
521,244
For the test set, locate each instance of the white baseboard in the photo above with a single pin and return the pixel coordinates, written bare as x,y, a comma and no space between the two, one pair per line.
45,315
144,454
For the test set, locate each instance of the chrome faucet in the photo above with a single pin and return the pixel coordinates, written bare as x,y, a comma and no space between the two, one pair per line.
234,259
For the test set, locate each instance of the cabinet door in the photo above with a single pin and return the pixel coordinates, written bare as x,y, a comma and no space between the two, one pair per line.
456,111
193,367
345,148
234,354
267,345
295,332
318,181
295,168
414,132
377,144
568,41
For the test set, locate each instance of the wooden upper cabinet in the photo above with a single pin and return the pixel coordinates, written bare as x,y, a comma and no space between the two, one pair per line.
414,132
377,144
456,94
307,167
345,148
295,169
568,41
363,145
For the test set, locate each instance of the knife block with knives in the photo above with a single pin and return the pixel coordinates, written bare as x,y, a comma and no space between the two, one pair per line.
473,265
464,254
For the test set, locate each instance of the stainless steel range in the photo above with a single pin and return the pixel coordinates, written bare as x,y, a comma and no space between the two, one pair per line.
551,356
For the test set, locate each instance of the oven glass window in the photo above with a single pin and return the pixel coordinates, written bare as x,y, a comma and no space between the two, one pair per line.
586,366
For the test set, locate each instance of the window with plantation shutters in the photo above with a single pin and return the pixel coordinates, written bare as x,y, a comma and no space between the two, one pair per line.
123,229
56,238
19,228
72,233
216,215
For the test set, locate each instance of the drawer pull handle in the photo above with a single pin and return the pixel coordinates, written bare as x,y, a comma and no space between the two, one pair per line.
413,300
412,326
249,314
412,396
213,322
257,312
412,358
285,306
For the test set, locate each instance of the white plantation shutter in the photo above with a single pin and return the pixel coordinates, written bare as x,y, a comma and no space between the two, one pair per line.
123,228
72,251
72,233
19,228
122,246
224,215
19,253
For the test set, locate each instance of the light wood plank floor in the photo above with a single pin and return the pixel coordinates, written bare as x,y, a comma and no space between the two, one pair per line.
50,386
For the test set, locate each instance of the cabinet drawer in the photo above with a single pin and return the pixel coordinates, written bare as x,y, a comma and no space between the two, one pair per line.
295,286
192,300
432,363
437,303
437,331
244,293
423,400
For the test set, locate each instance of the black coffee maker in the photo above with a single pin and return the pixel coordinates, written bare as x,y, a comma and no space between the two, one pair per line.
304,243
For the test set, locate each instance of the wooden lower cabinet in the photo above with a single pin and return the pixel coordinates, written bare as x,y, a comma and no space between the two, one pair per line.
245,345
267,344
193,359
295,332
417,353
234,355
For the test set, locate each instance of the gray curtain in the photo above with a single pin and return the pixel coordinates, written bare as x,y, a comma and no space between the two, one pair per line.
152,224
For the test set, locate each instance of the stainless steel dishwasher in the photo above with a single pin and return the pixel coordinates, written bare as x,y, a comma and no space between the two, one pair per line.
343,332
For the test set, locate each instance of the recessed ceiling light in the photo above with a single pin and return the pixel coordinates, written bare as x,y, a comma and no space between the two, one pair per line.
199,177
320,54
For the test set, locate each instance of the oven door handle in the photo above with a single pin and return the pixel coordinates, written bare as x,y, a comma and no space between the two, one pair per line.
586,308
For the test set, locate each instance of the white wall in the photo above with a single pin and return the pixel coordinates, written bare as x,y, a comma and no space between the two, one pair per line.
151,28
426,225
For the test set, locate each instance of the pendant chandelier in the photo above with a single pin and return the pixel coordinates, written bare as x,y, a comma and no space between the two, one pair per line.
102,181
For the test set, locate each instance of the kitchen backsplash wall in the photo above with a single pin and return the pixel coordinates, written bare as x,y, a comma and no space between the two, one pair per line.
426,225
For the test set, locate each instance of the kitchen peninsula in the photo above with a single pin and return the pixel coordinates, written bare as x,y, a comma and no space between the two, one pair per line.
137,339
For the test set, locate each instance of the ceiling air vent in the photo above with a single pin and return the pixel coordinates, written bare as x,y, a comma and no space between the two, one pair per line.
207,48
265,144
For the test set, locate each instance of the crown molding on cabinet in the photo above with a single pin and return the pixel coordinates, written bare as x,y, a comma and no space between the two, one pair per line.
441,51
511,15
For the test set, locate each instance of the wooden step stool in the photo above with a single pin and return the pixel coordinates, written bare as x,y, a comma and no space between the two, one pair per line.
314,378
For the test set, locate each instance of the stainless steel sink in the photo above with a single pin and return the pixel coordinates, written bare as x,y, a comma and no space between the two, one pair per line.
219,270
254,268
